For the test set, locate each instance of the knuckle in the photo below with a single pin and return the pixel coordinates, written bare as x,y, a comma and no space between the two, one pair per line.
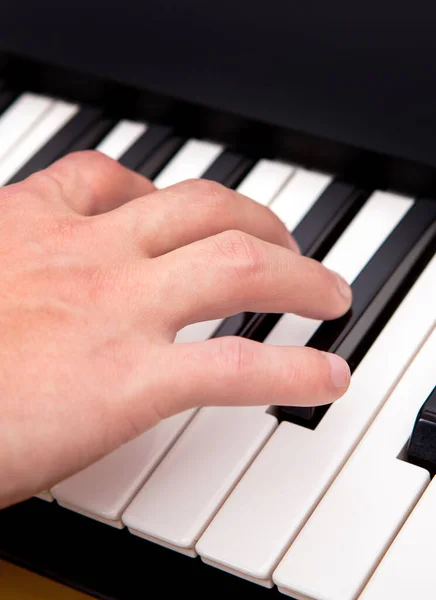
234,356
208,195
92,158
92,170
242,250
204,189
84,174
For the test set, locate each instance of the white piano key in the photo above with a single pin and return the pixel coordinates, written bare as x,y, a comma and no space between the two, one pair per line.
190,162
270,504
46,127
407,570
19,118
197,332
352,527
45,495
380,215
103,490
298,196
123,135
183,494
265,180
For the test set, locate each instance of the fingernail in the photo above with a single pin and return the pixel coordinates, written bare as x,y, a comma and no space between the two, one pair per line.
339,370
343,287
293,245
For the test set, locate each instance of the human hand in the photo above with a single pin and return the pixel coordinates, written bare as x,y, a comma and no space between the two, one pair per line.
100,271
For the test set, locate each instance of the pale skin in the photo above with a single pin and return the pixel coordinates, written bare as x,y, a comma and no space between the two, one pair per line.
99,272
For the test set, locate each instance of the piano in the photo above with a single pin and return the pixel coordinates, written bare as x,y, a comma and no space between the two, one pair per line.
325,113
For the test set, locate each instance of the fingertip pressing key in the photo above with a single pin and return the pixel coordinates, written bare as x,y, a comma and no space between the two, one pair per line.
344,288
339,370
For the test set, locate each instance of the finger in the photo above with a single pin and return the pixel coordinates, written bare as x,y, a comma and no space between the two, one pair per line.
197,209
235,272
235,371
88,182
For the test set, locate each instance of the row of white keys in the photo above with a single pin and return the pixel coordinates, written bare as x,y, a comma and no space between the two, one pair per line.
48,125
407,570
19,117
193,480
349,531
189,486
119,139
102,490
270,504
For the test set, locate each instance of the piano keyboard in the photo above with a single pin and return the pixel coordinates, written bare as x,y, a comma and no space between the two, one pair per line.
326,509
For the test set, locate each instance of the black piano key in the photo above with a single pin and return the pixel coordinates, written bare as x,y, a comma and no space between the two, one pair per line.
421,449
377,292
86,127
315,234
145,146
328,217
94,135
163,153
229,169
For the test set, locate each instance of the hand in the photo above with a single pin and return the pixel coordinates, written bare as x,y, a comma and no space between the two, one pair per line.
99,272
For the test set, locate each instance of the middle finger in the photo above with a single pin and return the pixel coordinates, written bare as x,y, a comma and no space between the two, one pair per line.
235,272
196,209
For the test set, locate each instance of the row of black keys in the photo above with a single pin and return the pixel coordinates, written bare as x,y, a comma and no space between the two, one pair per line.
378,289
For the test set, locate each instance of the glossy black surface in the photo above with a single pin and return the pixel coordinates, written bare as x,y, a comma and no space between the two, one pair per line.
160,156
421,449
377,292
83,131
316,234
94,135
228,169
264,139
329,217
109,563
356,72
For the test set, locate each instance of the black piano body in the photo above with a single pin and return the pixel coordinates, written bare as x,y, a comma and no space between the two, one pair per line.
345,89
